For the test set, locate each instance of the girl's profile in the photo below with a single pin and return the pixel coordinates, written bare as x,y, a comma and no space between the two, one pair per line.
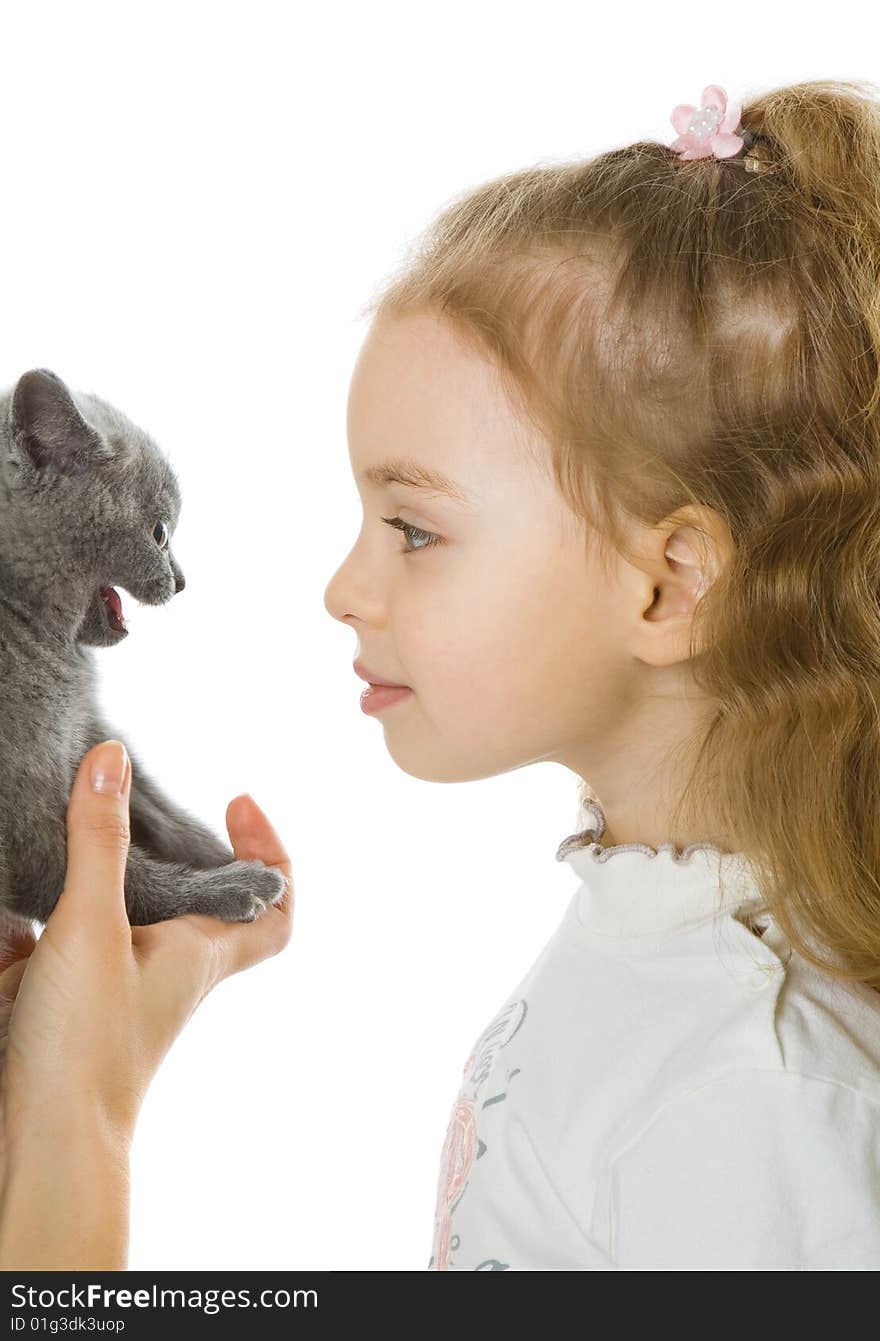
615,431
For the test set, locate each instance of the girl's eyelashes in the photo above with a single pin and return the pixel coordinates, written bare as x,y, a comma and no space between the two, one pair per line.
411,532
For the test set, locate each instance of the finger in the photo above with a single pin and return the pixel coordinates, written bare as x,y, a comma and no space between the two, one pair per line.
239,945
253,836
98,838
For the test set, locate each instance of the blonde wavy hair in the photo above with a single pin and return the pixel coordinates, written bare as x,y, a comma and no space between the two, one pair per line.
706,333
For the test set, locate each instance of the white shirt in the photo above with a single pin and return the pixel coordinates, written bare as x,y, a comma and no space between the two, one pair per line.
665,1089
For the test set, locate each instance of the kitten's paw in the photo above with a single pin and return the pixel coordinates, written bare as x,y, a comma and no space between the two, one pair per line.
242,891
271,889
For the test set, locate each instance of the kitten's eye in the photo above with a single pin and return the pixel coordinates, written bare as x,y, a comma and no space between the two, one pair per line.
160,534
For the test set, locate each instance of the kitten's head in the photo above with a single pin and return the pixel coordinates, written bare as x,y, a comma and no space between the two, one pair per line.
89,503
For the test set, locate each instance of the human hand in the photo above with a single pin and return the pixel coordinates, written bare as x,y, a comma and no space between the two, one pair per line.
93,1006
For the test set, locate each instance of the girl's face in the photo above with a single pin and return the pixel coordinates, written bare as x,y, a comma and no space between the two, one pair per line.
515,644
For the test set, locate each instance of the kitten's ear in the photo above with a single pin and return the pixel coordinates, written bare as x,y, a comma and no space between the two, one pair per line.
47,429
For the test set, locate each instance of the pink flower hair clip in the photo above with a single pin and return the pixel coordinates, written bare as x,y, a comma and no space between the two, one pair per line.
710,128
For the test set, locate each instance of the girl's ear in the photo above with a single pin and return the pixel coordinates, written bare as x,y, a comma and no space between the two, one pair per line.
689,556
688,553
47,431
702,550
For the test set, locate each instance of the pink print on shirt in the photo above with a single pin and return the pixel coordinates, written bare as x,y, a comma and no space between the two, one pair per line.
463,1145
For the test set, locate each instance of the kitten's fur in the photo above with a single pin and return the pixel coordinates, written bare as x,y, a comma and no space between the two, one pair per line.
83,495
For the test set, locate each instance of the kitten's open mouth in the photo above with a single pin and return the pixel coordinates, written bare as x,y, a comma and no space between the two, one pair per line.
113,605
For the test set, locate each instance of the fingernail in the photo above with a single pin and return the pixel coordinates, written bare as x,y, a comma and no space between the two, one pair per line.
108,767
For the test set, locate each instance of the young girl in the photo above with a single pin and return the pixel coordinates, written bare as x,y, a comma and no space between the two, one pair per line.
625,415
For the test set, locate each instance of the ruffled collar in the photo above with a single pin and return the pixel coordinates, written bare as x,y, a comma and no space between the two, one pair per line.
636,892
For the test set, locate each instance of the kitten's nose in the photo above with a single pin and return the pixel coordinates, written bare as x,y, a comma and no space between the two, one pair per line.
179,582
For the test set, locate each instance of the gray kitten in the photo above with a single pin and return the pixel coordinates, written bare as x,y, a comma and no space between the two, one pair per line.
87,500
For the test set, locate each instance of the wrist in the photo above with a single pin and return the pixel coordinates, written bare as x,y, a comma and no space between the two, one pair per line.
64,1199
82,1119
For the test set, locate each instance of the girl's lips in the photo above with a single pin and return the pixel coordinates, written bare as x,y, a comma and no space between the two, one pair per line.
370,678
378,696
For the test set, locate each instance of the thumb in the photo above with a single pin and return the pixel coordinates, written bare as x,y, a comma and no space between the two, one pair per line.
98,834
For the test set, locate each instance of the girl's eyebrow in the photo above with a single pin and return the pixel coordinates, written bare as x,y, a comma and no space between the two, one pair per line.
415,476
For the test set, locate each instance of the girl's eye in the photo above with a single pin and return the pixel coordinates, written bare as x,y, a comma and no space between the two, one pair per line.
411,532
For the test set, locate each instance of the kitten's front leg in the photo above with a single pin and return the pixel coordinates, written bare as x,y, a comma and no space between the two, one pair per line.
159,826
157,890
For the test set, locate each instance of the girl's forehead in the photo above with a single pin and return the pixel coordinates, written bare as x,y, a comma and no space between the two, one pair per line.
420,395
422,353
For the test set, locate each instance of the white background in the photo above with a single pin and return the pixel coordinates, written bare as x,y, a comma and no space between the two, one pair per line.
197,199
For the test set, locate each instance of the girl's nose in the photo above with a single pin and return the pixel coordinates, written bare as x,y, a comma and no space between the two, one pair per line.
334,597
